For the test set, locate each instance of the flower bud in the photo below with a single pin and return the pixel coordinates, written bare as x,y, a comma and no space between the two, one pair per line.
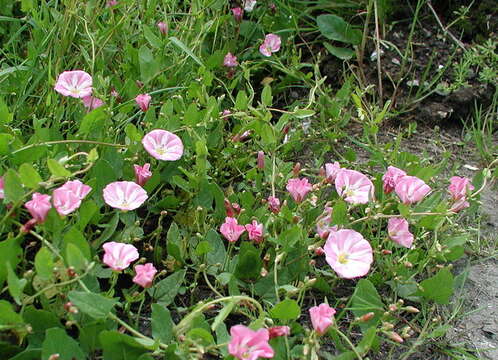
296,170
394,336
261,160
367,317
54,357
386,252
319,251
411,309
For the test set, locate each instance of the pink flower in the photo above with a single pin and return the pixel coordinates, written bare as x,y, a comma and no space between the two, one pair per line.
163,27
255,231
247,344
331,171
322,316
459,186
249,5
270,45
119,256
142,174
124,195
261,160
353,186
274,204
65,201
112,3
298,188
276,331
323,227
411,189
91,103
230,60
459,205
238,13
231,229
226,113
2,188
144,275
143,101
391,178
77,188
163,145
397,229
348,253
38,207
77,84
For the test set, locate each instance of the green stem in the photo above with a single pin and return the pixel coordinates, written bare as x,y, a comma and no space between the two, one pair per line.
349,343
47,143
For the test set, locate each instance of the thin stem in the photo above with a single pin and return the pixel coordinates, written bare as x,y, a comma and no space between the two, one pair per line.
213,289
377,48
381,216
47,143
349,343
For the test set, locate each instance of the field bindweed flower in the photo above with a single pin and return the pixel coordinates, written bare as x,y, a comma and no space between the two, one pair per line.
143,101
124,195
76,83
411,189
459,205
144,275
231,229
163,27
298,188
39,206
270,45
112,3
391,178
331,170
65,201
142,174
255,231
274,204
238,13
230,60
323,227
249,5
163,145
322,317
353,186
348,253
77,188
247,344
276,331
459,187
91,103
397,229
119,256
2,188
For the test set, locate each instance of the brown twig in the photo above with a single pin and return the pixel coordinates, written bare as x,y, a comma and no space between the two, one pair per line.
445,30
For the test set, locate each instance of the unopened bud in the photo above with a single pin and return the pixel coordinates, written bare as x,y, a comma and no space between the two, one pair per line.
54,357
408,264
263,272
312,262
387,325
296,170
393,307
295,219
319,251
261,160
386,252
411,309
367,317
394,336
71,272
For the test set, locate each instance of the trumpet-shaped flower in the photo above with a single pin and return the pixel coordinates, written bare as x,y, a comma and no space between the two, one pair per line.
331,170
91,103
142,174
353,186
163,27
255,231
348,253
322,317
230,60
143,101
38,207
65,201
391,178
274,204
231,229
270,45
77,84
124,195
276,331
247,344
323,228
298,188
144,275
459,187
397,229
163,145
119,256
411,189
77,188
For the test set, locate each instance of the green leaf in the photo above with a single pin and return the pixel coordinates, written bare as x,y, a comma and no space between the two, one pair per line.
56,169
174,240
340,213
341,53
153,40
5,116
15,285
218,252
94,305
7,314
202,336
366,299
58,342
44,263
77,239
13,189
29,176
367,341
439,287
303,113
148,65
165,290
334,27
266,97
286,310
202,248
185,49
439,331
162,324
250,263
119,346
241,101
40,321
222,315
109,230
5,140
75,258
10,253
